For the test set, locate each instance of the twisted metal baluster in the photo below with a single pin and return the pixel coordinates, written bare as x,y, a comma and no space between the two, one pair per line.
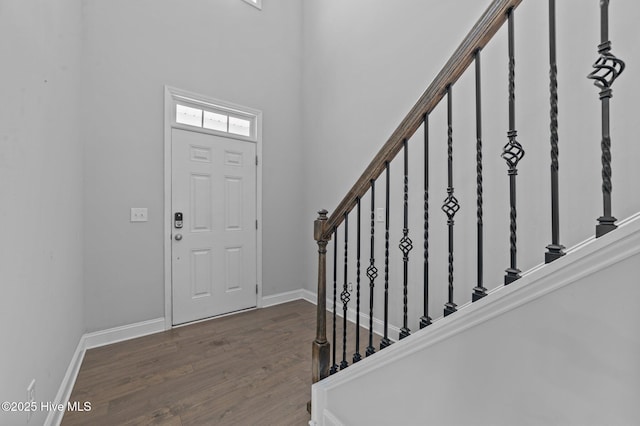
385,339
345,295
451,205
479,291
405,246
555,250
512,153
606,70
425,319
372,271
334,366
356,356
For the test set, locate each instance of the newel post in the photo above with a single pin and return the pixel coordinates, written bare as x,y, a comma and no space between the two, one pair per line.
320,346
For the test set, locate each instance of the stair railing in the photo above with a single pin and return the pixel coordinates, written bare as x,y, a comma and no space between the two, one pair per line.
606,69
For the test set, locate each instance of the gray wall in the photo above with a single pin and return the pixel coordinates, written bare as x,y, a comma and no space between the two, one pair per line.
41,308
365,65
224,49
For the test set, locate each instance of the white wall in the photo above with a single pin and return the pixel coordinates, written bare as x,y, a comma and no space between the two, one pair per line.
365,64
223,49
41,307
567,356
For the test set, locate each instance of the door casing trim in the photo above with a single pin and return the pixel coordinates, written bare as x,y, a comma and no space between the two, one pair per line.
171,94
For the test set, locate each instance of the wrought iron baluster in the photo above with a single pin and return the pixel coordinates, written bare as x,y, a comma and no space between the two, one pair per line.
334,365
555,250
356,356
479,291
345,295
451,205
512,153
372,271
425,320
606,70
385,339
405,246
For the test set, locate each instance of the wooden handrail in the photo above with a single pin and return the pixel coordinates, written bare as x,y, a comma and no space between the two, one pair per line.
488,24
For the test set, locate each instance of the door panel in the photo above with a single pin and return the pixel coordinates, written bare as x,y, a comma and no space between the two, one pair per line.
214,263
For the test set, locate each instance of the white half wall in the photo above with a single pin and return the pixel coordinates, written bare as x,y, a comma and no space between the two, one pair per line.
536,352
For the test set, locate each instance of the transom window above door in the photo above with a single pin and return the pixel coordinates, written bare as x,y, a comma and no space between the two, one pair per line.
216,118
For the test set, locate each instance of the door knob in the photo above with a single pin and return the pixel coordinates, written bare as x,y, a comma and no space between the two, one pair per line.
178,237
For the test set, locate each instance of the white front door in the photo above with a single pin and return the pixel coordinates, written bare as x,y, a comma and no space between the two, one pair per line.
213,185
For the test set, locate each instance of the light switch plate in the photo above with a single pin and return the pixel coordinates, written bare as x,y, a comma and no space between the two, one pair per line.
139,214
380,214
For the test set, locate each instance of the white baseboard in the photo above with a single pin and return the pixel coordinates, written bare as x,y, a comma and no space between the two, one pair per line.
54,418
309,296
125,332
277,299
95,340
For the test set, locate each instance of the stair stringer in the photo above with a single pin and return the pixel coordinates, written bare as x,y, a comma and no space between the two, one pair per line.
380,389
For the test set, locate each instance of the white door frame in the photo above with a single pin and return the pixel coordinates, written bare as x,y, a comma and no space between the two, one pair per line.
171,95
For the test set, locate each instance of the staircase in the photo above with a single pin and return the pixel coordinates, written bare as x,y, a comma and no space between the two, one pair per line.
414,376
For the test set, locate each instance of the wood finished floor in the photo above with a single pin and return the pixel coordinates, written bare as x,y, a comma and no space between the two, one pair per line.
251,368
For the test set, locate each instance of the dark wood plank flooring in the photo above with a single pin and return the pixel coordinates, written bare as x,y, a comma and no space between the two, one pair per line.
249,368
244,369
